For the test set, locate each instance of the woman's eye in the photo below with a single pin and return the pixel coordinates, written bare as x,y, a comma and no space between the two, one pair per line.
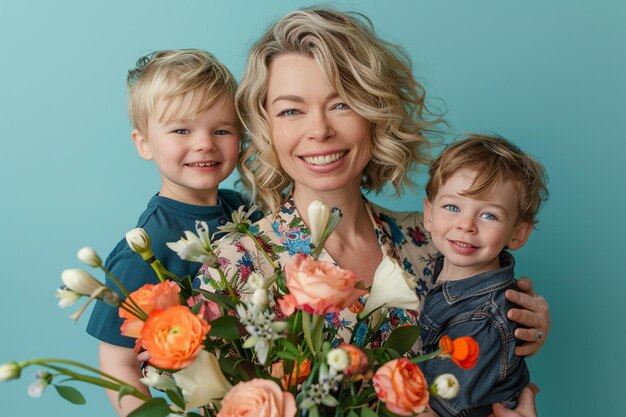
182,131
341,106
451,207
488,216
289,112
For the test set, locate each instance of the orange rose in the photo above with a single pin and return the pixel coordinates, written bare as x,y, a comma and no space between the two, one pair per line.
300,373
258,398
358,360
317,287
148,298
173,337
401,385
463,351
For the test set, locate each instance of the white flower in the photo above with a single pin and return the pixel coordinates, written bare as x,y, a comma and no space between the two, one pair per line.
36,389
9,370
68,297
195,248
241,220
80,281
338,359
162,381
260,299
392,287
89,256
319,214
445,386
256,281
139,241
202,382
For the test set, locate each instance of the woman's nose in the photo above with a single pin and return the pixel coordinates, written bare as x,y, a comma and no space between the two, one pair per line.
319,125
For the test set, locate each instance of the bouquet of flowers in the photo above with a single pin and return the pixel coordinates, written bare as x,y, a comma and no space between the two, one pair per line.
214,354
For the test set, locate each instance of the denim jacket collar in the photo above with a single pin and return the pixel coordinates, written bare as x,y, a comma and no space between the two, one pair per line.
477,285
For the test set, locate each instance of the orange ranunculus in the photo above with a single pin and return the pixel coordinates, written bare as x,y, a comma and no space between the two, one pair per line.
358,360
298,375
463,350
401,385
149,297
317,287
173,337
259,398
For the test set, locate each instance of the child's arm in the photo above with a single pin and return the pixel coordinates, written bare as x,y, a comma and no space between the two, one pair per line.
122,363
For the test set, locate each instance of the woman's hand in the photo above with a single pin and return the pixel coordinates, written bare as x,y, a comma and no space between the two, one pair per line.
525,406
533,316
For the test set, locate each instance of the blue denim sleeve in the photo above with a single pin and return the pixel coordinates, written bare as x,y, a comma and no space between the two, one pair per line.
498,376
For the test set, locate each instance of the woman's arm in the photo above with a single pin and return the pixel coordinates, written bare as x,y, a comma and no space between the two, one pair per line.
533,316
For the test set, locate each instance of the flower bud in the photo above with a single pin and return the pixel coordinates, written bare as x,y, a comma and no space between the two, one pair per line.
319,213
338,359
139,241
256,281
260,299
80,281
10,370
36,389
89,256
445,386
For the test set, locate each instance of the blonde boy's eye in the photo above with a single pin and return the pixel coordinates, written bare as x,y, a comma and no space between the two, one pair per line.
222,132
489,216
182,131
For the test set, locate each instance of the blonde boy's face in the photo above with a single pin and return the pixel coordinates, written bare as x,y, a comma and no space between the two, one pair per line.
471,233
193,156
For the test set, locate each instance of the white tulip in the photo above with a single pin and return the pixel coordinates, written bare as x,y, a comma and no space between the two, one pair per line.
9,370
80,281
139,241
392,287
319,213
202,382
445,386
338,359
89,257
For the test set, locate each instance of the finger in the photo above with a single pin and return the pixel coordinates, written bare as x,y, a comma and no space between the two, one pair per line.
527,349
530,335
529,302
143,356
526,401
525,284
527,319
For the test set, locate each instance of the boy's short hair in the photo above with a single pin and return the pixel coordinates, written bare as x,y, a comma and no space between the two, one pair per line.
168,76
496,161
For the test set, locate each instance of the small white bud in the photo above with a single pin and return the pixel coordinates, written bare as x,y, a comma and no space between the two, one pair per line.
445,386
9,370
89,257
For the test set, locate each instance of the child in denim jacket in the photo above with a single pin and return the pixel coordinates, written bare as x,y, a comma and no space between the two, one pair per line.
482,199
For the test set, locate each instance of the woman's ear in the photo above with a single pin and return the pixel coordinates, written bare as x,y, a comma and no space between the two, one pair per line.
520,236
427,215
141,143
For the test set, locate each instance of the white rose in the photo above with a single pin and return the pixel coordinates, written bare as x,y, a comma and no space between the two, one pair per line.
338,359
445,386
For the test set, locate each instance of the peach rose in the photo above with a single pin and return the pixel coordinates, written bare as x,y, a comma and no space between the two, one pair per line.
463,350
173,337
401,385
258,398
317,287
149,297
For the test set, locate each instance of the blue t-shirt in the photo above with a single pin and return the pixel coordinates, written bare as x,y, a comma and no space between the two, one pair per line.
164,220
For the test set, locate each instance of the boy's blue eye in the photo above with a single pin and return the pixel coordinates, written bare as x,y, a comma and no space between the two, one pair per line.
182,131
488,216
451,207
221,132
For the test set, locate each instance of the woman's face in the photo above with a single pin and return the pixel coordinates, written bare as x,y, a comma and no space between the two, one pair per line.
321,143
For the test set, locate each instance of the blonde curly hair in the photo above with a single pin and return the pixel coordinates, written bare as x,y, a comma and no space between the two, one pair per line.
373,76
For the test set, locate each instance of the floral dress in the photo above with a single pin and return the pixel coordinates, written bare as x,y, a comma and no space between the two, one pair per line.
400,236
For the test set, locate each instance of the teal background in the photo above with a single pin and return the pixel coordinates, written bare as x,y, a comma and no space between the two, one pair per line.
550,75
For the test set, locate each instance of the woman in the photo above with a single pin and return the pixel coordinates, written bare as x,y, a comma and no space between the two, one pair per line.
331,109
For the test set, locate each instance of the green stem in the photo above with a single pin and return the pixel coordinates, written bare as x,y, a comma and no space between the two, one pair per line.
306,329
226,284
126,294
318,330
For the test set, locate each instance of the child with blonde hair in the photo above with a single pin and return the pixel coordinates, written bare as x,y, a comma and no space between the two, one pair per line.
181,105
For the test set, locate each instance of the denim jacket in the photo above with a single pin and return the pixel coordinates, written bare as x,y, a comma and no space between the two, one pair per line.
476,307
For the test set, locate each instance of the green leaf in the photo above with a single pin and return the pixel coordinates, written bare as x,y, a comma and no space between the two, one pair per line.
288,346
368,412
71,394
288,355
156,407
123,391
225,327
352,413
223,300
176,398
402,339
